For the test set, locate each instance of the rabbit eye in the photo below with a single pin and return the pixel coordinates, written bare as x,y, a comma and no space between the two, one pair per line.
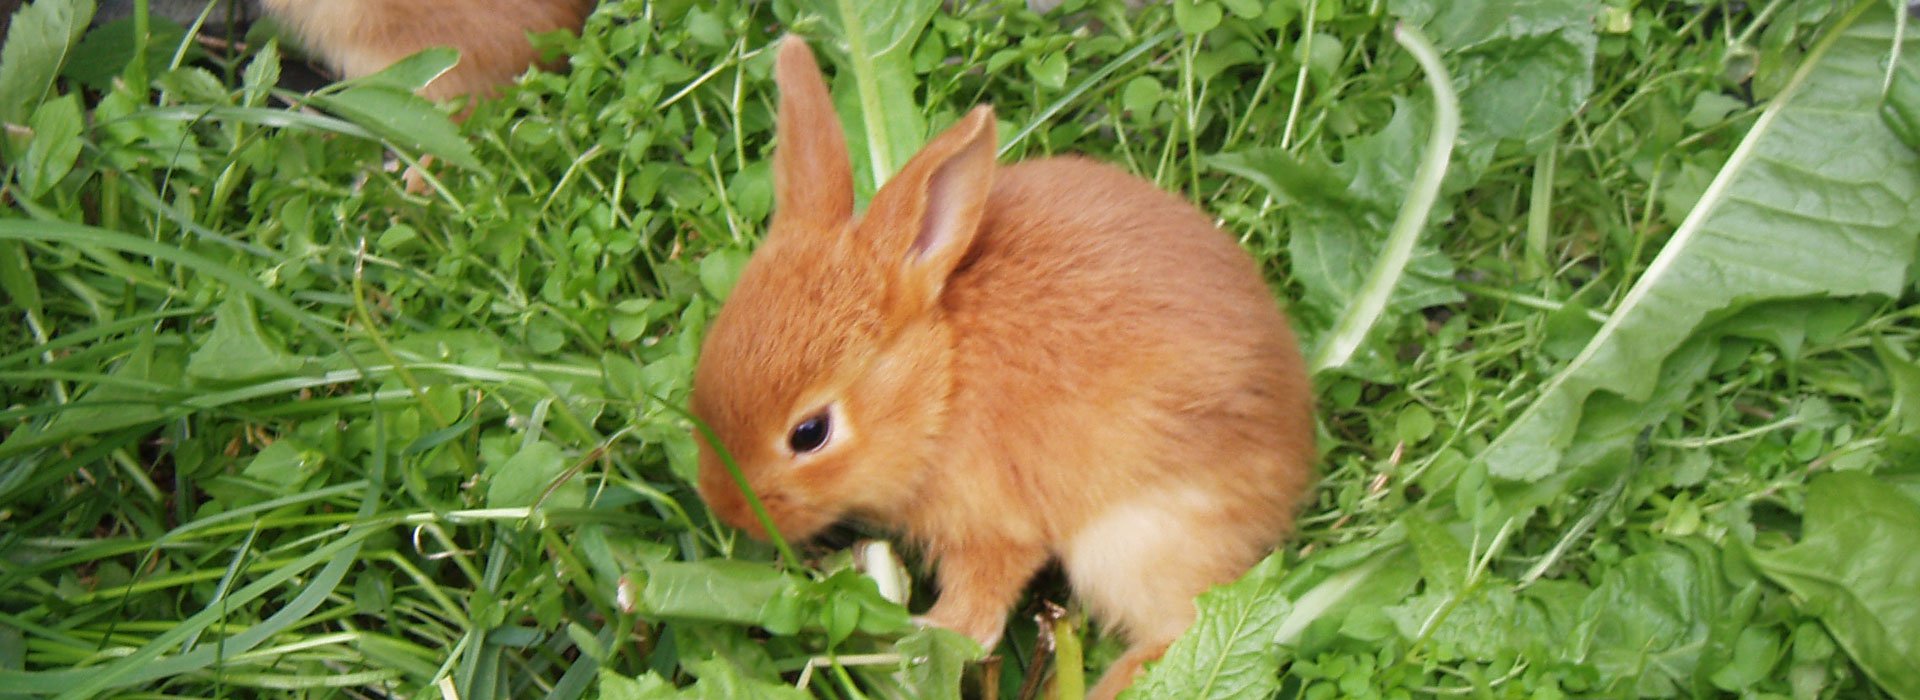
811,433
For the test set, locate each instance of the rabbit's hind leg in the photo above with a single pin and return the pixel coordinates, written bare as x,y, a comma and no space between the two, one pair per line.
1139,565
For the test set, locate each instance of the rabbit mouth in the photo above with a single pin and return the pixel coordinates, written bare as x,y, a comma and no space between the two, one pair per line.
842,533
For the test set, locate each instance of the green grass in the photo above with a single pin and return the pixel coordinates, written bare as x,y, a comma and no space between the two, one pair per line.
1640,418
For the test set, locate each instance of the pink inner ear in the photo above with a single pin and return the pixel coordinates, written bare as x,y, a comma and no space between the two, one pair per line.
936,229
952,194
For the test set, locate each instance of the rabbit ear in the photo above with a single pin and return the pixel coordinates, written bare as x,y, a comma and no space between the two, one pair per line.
812,179
925,219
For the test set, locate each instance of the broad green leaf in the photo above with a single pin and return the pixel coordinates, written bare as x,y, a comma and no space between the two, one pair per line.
402,119
525,477
38,43
1338,215
1754,654
1784,218
718,590
285,463
932,661
1475,623
719,271
236,350
1346,587
1196,16
412,73
1523,66
1143,95
1648,621
1375,178
1855,569
1612,425
872,44
103,56
55,146
1790,325
754,593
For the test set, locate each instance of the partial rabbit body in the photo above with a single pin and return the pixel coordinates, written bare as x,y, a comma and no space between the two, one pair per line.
1128,399
360,37
1052,359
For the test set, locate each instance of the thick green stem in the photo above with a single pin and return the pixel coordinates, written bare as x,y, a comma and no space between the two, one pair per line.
866,84
1371,303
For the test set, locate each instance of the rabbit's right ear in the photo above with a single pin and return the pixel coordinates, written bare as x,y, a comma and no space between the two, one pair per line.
812,178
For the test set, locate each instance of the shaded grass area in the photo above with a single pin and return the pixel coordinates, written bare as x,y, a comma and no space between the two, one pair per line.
275,424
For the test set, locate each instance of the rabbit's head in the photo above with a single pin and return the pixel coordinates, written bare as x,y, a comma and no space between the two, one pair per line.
826,375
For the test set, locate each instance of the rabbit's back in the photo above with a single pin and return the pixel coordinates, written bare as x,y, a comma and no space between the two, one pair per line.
1111,340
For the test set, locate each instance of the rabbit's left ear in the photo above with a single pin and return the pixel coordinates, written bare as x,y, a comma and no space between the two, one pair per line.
924,220
812,178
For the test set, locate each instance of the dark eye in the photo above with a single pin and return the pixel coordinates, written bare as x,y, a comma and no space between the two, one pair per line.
811,433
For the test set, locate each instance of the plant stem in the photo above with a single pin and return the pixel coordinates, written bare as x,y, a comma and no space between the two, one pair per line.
879,142
1540,207
1371,303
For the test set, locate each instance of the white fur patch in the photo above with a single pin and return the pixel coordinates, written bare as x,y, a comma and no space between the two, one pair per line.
1140,563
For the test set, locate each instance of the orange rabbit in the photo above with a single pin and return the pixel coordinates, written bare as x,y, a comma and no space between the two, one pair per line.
359,37
1052,359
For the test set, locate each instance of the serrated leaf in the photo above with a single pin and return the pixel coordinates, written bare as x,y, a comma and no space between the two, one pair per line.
263,72
39,42
236,350
1781,195
1228,652
194,84
403,119
1855,570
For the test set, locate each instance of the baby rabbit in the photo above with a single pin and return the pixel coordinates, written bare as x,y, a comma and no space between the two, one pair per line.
1006,365
359,37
